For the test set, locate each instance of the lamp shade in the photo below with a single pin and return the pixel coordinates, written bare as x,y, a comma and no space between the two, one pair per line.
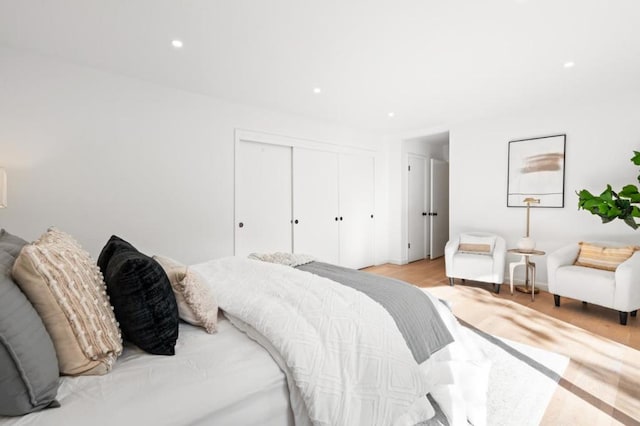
3,188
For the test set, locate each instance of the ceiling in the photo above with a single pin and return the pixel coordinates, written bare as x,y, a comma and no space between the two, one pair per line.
429,62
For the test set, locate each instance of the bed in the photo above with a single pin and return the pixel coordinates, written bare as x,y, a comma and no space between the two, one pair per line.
258,370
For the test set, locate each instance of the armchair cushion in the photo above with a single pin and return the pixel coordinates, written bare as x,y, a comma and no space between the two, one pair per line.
476,244
587,284
602,257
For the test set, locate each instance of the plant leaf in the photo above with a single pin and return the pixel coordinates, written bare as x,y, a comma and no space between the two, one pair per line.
630,191
607,194
614,212
589,204
631,222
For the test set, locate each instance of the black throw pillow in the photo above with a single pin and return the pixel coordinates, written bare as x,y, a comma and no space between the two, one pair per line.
141,295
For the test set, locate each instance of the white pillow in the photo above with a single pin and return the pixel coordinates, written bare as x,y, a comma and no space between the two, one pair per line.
475,244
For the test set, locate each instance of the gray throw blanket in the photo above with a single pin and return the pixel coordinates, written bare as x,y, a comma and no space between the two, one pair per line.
412,310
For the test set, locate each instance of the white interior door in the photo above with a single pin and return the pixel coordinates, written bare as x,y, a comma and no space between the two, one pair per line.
315,204
262,198
356,177
417,226
439,210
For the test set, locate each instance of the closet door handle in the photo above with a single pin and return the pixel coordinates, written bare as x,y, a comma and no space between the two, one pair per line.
240,225
340,217
371,216
424,213
295,221
336,218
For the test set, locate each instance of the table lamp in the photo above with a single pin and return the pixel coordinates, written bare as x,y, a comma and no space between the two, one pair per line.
526,243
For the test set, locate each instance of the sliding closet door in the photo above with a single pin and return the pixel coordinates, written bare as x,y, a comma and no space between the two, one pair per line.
315,204
356,177
262,198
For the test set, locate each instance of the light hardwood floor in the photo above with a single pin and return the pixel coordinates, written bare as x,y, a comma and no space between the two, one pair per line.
601,385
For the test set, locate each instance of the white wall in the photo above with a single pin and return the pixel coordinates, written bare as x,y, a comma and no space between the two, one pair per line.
601,139
97,154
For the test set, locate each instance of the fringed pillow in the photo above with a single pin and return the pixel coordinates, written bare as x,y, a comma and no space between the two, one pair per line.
66,288
196,303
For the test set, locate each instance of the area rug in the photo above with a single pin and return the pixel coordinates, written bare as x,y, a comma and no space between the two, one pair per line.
522,379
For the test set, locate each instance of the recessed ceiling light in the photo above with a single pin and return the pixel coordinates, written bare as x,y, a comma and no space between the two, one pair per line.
176,43
569,64
317,90
392,114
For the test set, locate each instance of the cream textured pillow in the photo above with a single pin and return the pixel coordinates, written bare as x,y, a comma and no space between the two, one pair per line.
66,288
601,257
196,303
475,244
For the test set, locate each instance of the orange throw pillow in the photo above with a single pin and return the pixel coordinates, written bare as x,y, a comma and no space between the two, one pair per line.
601,257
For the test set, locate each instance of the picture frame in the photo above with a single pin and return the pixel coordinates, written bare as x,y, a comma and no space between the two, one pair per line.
536,170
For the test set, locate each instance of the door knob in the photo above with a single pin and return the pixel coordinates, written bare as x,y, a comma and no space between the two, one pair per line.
340,217
424,213
295,221
240,225
336,218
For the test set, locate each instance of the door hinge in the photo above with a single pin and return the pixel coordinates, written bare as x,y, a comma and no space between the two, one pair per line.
409,168
409,245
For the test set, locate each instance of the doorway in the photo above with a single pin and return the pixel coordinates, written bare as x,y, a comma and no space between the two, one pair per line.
427,196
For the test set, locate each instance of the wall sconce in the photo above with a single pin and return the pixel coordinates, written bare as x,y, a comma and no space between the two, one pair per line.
3,188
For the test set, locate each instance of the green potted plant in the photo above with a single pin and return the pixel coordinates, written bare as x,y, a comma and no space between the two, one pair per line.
610,205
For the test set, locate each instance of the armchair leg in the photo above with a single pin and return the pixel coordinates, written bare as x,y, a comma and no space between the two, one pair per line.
623,318
556,299
634,313
451,281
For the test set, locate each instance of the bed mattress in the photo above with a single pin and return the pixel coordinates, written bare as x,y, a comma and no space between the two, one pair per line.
215,379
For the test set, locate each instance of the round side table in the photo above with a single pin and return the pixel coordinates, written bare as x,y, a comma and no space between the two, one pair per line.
528,266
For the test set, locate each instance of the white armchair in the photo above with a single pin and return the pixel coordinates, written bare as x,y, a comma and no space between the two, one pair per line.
487,268
619,290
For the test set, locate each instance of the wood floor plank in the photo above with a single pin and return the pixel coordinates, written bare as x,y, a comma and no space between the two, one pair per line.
601,385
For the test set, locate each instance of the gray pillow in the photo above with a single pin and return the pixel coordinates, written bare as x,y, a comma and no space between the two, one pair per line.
28,363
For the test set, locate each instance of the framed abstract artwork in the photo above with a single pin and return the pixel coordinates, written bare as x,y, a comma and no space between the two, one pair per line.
536,170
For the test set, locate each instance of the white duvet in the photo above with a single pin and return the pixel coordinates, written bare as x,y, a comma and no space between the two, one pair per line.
343,351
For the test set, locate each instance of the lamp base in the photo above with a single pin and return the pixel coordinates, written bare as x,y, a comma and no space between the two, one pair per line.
526,244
